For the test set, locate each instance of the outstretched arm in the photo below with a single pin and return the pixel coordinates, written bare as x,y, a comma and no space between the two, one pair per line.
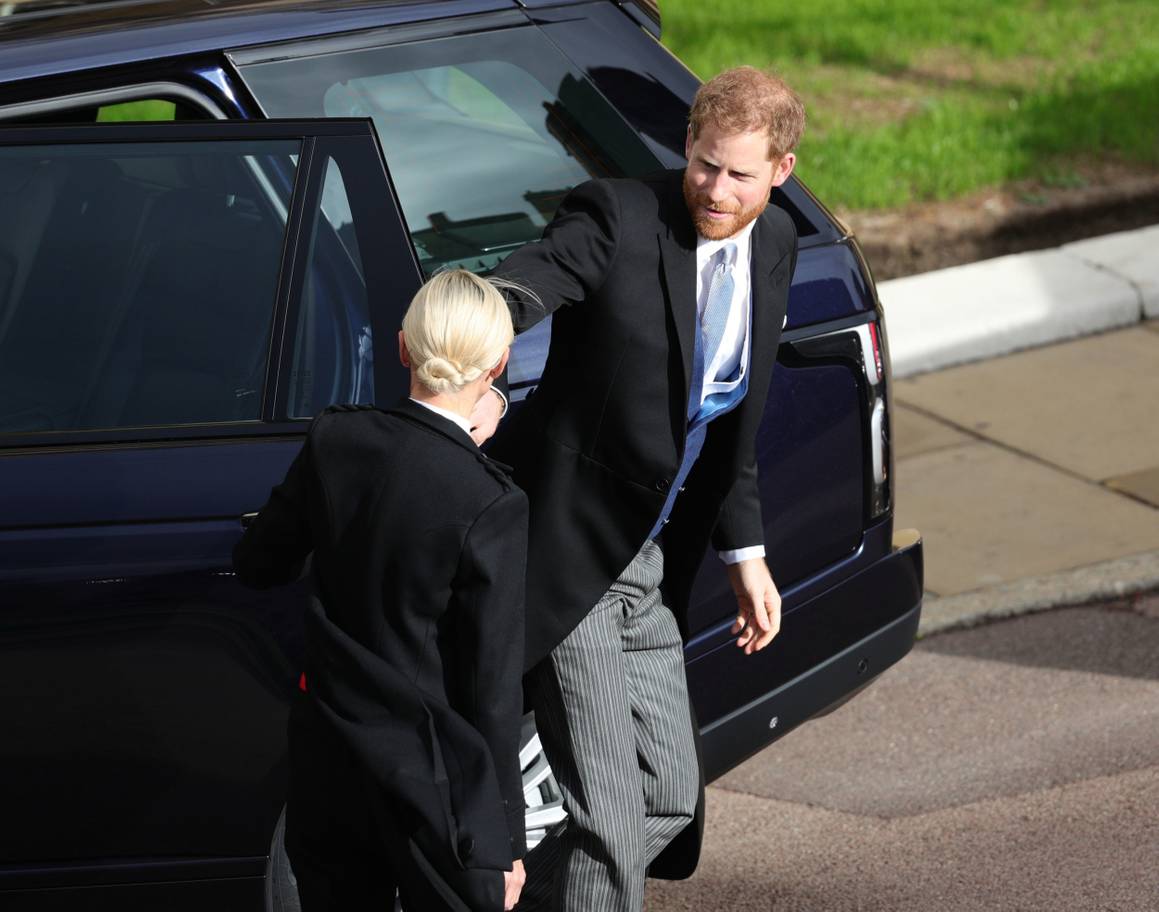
273,549
572,259
570,262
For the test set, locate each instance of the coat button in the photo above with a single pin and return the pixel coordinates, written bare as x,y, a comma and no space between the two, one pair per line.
466,847
663,485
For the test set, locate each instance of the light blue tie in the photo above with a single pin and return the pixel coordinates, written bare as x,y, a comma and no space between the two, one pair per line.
720,289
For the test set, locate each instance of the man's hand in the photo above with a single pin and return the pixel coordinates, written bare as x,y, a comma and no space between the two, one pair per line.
758,604
485,417
513,885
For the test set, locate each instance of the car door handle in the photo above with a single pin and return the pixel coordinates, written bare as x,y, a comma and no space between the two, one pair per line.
247,519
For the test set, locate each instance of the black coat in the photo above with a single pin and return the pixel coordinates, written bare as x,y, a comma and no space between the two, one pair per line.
598,444
601,439
415,632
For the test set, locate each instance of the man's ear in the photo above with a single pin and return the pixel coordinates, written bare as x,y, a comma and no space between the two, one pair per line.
688,143
403,354
784,169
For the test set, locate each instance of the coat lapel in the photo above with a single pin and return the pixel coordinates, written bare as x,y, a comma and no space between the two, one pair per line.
678,252
766,318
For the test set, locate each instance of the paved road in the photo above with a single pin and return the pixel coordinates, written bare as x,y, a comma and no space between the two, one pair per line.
1009,767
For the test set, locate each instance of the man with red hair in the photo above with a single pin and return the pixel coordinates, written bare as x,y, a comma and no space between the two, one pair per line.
636,450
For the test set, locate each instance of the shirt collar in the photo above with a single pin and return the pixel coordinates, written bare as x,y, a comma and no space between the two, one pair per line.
705,248
446,413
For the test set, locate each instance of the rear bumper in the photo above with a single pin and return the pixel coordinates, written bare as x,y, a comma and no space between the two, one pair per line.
889,594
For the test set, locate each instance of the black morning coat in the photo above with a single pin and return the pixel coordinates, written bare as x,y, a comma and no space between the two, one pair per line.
415,629
598,444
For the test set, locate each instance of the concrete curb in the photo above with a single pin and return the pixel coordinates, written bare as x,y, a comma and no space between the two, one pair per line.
1098,582
993,307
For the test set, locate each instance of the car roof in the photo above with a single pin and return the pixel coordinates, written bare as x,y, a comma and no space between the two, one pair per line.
48,37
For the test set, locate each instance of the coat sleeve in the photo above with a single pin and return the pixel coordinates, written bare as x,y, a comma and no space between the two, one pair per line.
572,259
274,548
489,593
739,524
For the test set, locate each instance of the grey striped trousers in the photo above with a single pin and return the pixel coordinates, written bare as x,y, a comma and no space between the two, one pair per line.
611,707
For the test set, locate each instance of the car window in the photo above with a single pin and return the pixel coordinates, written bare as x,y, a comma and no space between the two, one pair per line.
131,111
333,358
138,281
483,133
141,110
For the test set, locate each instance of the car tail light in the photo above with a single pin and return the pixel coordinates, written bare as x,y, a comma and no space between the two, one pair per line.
864,344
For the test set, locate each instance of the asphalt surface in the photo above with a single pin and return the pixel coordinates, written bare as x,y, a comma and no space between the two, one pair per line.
1013,766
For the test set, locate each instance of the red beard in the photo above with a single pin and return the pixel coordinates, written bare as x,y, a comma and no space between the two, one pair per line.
717,229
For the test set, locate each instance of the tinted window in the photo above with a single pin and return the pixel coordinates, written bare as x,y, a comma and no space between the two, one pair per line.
333,354
484,134
137,282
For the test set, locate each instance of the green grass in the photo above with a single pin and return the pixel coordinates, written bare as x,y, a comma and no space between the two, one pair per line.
129,111
913,100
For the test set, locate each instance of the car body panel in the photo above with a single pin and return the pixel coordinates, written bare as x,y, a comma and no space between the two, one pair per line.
788,687
87,39
149,688
126,483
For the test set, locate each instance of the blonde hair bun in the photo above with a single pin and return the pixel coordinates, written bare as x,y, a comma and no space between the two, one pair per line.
441,376
456,328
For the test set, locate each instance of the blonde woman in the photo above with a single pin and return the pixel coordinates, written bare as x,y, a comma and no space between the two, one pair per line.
404,770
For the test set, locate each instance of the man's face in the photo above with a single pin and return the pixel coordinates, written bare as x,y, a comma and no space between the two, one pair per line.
728,180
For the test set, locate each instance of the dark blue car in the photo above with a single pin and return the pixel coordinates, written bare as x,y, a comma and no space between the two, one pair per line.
181,293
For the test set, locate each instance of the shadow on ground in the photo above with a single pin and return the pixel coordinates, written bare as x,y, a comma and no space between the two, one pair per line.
1111,640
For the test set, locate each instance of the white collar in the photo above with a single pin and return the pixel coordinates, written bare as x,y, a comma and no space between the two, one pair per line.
706,248
446,413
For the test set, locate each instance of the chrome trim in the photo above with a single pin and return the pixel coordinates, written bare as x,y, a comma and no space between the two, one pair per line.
137,92
141,91
877,441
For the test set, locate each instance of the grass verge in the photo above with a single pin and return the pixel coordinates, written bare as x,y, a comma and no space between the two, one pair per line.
911,101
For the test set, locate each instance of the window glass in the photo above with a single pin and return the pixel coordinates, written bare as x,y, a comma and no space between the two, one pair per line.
483,134
137,282
139,110
129,111
333,351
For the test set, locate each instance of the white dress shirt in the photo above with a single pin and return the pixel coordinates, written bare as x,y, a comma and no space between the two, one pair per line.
731,361
732,355
446,413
